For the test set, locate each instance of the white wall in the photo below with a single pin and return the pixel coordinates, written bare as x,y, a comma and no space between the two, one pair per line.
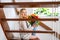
17,0
6,0
23,0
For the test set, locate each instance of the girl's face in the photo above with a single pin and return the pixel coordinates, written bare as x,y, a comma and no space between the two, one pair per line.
23,12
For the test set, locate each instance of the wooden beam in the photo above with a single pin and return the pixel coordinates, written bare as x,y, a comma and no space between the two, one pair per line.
31,4
57,35
28,3
44,26
40,19
23,31
15,38
2,16
4,24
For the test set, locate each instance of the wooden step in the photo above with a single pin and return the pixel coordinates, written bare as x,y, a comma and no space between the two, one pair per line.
40,19
16,38
30,4
44,26
17,31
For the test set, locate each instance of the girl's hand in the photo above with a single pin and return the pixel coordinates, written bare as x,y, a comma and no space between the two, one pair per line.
34,25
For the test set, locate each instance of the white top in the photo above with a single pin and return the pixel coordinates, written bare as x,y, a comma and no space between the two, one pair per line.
23,26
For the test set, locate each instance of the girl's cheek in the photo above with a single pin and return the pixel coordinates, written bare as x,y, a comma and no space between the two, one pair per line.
24,14
21,14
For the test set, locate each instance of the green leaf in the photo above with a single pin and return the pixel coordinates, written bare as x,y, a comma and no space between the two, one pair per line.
55,14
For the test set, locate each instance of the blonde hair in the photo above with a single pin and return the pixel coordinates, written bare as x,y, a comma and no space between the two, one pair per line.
21,11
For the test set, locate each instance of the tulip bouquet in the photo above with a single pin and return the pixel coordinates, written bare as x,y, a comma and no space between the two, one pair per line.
33,16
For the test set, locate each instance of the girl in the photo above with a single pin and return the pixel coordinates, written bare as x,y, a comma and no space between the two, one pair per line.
23,26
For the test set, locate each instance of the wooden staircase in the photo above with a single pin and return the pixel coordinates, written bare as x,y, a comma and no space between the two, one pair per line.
8,32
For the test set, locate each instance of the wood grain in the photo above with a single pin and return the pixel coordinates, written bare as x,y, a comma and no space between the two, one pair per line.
31,4
40,19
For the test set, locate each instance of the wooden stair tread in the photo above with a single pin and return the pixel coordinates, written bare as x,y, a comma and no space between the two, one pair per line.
30,4
17,31
40,19
15,38
44,26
